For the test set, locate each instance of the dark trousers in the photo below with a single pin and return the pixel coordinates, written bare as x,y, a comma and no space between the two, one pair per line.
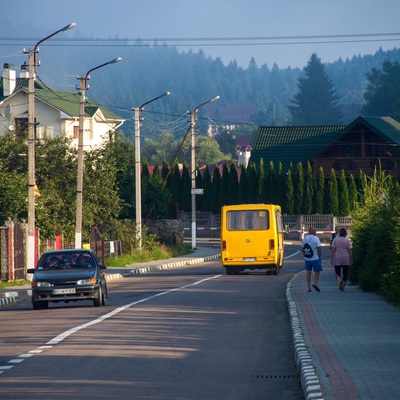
338,271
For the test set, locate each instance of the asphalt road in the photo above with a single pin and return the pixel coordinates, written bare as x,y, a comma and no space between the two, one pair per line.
191,332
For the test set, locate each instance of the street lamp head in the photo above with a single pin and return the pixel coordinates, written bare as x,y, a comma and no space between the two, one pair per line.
118,59
68,27
214,98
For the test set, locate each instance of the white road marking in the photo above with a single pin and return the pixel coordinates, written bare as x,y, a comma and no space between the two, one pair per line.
65,334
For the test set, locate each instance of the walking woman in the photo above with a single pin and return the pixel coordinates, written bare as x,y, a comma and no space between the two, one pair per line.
341,257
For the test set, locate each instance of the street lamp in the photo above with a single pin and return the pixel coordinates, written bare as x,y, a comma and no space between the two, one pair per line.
30,257
138,183
79,186
193,167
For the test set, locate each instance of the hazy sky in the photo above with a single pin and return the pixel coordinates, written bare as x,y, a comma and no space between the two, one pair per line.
220,20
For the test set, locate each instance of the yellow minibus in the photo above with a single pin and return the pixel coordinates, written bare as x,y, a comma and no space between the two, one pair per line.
252,238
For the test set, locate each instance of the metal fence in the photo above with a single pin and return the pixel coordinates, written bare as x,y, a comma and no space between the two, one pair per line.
209,224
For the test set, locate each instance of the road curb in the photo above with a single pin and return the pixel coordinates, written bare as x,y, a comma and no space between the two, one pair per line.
309,379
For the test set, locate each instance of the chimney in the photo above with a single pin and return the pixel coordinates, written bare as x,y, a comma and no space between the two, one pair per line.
9,79
23,71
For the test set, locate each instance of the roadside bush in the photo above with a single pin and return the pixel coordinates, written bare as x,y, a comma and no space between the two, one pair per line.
375,238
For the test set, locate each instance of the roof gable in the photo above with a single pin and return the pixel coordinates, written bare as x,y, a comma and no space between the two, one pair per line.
383,126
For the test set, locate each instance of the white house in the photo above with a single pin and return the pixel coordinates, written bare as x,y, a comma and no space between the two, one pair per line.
56,112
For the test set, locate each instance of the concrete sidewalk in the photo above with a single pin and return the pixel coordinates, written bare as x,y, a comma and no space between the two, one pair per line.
347,344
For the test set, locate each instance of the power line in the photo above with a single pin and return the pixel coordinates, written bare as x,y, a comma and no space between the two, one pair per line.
215,41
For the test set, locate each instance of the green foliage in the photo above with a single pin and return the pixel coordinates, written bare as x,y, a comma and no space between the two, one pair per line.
161,252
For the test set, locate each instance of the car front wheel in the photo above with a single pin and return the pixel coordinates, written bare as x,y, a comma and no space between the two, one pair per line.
99,299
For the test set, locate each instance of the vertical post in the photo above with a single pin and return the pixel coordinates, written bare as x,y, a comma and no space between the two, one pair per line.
193,167
138,183
31,160
79,185
193,175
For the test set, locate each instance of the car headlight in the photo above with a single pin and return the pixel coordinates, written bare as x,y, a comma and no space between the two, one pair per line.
90,281
41,284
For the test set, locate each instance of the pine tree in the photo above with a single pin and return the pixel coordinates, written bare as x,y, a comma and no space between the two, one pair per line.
289,200
216,183
199,185
185,200
261,186
233,185
319,194
206,203
332,195
224,187
344,202
280,186
299,189
383,91
309,191
316,102
243,183
175,184
271,184
252,184
353,195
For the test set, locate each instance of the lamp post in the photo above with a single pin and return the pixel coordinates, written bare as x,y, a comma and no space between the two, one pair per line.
30,257
79,186
193,167
138,183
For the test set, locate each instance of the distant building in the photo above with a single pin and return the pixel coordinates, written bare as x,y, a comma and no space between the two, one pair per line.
363,145
56,112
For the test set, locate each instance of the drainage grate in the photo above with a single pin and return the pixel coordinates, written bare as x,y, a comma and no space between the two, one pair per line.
266,376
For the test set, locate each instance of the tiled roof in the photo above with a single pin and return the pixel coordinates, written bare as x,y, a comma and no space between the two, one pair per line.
67,102
292,144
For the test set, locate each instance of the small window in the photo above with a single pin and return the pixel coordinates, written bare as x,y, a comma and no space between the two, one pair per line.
76,132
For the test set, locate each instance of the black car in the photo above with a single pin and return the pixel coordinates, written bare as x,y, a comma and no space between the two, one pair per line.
68,275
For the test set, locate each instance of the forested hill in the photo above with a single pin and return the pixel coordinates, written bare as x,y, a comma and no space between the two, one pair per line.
193,78
147,71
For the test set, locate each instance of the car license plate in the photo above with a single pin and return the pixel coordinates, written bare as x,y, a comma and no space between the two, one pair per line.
249,259
64,291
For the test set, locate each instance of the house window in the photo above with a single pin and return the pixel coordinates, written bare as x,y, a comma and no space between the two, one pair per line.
21,127
76,132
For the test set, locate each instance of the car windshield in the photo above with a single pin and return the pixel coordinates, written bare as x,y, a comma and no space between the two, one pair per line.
62,260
